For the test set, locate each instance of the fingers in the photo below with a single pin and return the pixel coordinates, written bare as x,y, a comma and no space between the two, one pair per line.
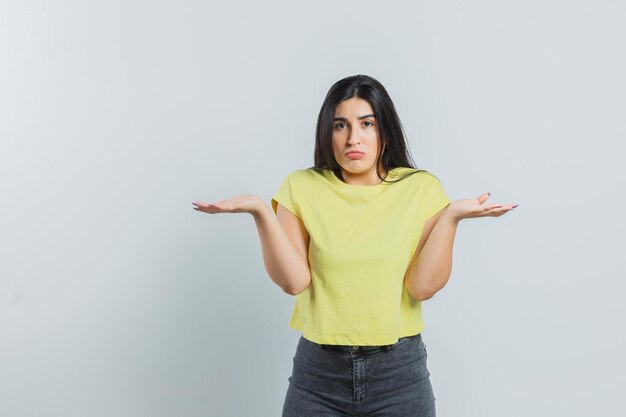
222,206
205,207
498,211
491,207
202,204
483,197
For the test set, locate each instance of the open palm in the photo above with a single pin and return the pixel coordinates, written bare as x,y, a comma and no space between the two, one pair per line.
243,203
469,208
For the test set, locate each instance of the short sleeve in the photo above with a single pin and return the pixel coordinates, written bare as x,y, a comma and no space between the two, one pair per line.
285,196
435,198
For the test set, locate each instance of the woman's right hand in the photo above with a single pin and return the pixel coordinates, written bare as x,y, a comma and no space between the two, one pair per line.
243,203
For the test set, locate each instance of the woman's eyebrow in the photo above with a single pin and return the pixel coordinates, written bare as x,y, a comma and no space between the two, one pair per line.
360,117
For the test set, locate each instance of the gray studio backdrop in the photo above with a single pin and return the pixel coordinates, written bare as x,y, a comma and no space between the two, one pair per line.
117,299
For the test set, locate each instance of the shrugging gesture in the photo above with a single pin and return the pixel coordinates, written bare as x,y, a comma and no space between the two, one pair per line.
431,265
284,240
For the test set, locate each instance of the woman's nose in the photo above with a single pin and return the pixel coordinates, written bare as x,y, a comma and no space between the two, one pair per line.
353,138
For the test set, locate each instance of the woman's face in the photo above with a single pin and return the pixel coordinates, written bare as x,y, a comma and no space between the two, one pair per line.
356,142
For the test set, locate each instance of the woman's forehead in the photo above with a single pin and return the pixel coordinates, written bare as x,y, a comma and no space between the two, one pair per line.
354,106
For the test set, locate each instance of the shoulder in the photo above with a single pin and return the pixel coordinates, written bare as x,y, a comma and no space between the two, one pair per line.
412,175
306,175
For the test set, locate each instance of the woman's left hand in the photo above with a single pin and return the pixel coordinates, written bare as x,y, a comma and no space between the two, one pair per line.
468,208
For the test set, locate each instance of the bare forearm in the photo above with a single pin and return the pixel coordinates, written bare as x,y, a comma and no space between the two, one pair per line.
283,262
431,270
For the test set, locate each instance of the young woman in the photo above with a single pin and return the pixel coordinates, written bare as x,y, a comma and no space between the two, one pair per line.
361,239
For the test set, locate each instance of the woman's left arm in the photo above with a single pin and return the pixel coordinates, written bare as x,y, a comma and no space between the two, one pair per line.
431,265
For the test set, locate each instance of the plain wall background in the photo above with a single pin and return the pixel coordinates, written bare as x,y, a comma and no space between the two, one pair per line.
117,299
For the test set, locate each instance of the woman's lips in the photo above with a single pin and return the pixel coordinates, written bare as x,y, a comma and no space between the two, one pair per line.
355,155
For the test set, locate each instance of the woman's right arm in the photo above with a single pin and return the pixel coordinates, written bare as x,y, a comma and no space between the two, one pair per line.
285,246
284,239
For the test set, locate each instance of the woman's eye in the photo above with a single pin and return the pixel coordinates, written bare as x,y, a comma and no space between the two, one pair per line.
340,125
368,124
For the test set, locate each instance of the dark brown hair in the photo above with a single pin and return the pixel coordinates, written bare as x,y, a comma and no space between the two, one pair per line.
394,153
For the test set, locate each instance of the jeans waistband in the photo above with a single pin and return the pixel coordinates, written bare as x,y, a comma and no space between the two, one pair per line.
357,348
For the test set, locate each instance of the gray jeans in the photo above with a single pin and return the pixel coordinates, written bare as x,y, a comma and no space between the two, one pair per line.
330,380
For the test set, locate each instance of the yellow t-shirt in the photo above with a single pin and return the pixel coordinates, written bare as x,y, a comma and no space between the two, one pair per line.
362,239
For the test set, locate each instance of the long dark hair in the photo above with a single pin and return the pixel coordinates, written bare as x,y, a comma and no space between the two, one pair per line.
395,152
